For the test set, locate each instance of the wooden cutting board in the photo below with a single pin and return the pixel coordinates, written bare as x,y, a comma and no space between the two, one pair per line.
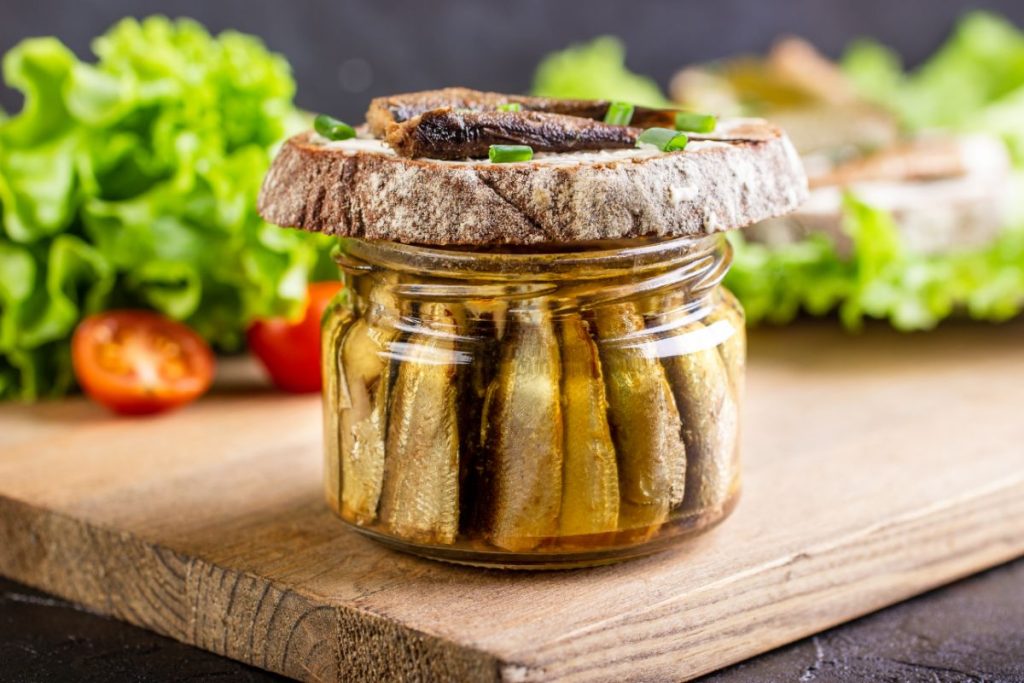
877,466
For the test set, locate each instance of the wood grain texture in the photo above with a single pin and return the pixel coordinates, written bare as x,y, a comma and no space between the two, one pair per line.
877,466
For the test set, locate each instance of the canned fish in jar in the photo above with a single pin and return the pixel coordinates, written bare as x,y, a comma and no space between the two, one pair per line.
533,409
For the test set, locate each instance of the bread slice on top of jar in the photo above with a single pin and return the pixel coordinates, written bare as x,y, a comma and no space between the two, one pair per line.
583,186
532,363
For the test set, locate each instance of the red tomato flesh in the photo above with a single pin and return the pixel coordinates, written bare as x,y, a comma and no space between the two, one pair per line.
290,349
139,362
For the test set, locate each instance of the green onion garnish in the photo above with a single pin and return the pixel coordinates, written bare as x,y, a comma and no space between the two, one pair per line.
510,106
502,154
619,114
333,129
698,123
665,139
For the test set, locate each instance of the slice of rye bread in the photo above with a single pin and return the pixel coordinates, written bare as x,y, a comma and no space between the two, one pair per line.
746,171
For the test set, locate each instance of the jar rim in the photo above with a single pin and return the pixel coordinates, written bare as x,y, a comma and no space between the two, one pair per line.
603,259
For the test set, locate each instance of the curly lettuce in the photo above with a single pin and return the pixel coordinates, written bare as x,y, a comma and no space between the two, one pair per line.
878,278
131,182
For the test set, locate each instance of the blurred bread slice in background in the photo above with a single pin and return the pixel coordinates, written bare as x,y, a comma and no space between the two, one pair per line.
945,192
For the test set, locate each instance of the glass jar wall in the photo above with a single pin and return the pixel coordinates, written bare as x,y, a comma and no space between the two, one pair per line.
533,409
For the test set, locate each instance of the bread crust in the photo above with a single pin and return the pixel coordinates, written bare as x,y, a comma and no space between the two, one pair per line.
747,172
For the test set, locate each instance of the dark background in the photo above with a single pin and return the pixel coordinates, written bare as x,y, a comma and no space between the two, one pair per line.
344,52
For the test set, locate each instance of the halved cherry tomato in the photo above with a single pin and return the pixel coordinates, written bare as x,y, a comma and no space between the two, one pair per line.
290,349
139,362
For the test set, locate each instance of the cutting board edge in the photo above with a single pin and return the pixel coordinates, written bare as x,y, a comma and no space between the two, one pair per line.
94,571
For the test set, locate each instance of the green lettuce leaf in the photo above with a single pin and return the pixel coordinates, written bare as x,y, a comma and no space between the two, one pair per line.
879,278
975,82
595,70
132,181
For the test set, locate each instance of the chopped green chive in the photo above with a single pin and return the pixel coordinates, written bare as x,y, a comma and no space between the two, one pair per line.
333,129
692,121
501,154
510,106
619,114
665,139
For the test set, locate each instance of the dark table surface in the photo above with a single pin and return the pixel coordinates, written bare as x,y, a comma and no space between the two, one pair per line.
972,630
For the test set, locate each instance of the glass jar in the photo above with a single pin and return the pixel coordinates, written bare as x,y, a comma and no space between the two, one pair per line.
533,409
